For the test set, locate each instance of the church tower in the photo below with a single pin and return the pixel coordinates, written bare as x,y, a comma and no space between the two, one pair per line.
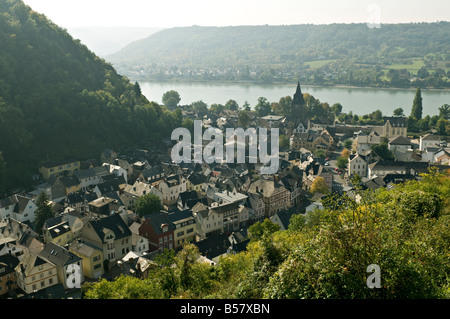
298,108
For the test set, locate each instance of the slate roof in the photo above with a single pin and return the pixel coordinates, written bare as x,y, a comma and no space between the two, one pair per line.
114,223
58,255
156,220
400,140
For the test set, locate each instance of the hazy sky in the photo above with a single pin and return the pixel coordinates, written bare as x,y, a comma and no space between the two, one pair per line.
172,13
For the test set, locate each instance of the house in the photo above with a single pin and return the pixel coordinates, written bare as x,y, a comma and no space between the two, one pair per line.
71,184
171,187
196,182
214,246
35,273
158,229
109,185
382,168
103,205
19,207
357,164
185,228
140,244
229,197
139,189
10,227
135,265
7,274
442,157
256,208
428,140
275,196
152,175
92,258
90,177
311,140
363,142
394,126
399,143
117,170
282,218
56,230
110,234
9,246
67,167
292,179
69,266
209,222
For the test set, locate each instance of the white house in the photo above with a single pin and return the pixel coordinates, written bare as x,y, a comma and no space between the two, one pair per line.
428,140
117,170
19,207
91,176
399,143
357,164
171,187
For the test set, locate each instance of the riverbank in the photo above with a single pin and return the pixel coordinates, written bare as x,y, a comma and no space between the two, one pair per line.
284,83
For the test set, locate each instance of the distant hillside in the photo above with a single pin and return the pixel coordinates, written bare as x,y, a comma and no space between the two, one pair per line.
108,40
316,54
58,99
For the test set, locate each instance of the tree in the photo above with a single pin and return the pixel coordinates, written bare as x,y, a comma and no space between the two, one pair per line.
200,107
261,229
444,112
398,112
342,162
345,153
232,105
284,106
171,99
336,108
443,127
319,186
383,151
246,106
147,204
416,111
348,143
243,118
262,107
43,212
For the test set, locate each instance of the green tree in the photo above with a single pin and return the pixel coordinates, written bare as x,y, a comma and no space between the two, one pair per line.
398,112
243,118
171,99
416,111
148,204
342,162
232,105
263,107
43,212
444,111
443,126
319,186
261,229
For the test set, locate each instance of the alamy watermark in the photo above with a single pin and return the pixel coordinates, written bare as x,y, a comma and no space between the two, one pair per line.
257,143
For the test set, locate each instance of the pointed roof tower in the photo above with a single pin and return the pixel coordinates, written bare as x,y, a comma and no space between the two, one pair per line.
298,109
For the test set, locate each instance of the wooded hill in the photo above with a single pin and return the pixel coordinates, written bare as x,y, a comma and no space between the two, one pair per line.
58,99
352,54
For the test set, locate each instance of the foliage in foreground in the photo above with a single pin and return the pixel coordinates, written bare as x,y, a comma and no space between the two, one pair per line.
405,230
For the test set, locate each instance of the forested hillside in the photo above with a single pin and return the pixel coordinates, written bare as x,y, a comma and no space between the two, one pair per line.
58,99
348,54
325,254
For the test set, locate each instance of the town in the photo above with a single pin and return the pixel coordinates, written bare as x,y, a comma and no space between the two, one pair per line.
97,228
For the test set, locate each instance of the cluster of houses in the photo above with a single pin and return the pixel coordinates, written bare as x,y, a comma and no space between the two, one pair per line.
95,232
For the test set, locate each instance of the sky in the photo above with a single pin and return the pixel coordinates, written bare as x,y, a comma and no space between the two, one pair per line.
178,13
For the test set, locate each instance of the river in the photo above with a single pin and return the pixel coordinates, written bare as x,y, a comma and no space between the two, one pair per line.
360,101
